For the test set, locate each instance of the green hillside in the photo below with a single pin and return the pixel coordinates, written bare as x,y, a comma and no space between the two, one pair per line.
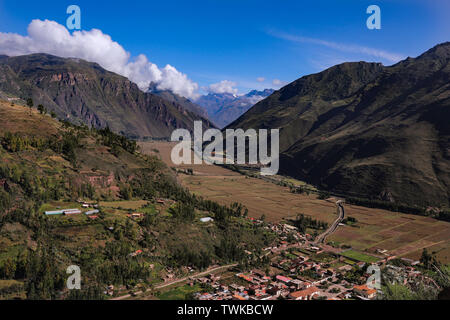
49,165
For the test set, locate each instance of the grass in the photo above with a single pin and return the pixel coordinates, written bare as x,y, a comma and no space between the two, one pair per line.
9,283
127,205
323,257
12,289
179,293
359,256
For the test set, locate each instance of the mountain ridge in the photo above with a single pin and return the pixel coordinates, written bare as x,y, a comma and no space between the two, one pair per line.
84,92
367,130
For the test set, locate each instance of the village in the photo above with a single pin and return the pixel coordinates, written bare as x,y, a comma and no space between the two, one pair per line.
303,270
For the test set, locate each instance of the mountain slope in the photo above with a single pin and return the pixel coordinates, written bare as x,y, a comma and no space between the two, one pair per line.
225,108
83,92
367,130
48,165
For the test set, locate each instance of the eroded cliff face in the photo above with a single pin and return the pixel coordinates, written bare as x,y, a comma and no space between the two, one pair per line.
83,92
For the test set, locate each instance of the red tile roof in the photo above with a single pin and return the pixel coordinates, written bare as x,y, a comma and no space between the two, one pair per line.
305,293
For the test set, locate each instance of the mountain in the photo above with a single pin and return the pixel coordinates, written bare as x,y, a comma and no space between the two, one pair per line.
366,130
83,92
224,108
170,96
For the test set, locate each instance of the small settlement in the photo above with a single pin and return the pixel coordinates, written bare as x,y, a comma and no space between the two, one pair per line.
303,270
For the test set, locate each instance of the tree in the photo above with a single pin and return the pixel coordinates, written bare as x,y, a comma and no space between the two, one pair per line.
42,109
9,269
323,195
30,104
426,258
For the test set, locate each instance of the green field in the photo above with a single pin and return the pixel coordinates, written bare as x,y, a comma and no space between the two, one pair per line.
359,256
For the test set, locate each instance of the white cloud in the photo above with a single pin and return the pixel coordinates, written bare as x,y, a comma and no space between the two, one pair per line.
95,46
224,86
389,56
261,79
255,99
277,83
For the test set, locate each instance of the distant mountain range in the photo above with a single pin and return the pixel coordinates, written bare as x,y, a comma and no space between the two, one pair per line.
177,99
367,130
224,108
83,92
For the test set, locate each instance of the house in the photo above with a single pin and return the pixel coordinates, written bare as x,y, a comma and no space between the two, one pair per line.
206,220
239,297
70,212
307,294
275,291
361,264
54,213
136,253
283,279
298,284
365,292
93,217
91,212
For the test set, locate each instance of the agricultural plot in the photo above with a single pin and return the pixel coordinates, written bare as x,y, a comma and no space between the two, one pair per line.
400,234
179,293
359,256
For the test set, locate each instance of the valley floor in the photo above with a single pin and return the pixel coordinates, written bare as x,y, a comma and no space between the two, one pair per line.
377,230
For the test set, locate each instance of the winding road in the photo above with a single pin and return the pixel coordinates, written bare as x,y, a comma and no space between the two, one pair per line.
321,238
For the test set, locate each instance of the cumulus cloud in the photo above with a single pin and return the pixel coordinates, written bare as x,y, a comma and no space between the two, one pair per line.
261,79
224,86
52,38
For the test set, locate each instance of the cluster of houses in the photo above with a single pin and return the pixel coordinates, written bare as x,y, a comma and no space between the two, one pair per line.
70,212
328,284
291,255
263,287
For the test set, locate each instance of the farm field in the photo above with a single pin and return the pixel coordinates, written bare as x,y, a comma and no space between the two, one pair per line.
400,234
179,293
358,256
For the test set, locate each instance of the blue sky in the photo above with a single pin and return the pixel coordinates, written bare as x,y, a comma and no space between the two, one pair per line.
240,41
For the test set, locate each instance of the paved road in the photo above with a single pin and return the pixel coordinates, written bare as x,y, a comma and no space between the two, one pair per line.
321,238
167,284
